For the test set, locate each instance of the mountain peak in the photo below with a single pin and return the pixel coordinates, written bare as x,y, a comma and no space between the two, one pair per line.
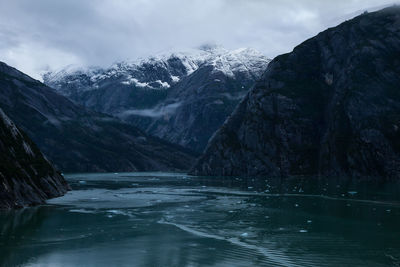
210,47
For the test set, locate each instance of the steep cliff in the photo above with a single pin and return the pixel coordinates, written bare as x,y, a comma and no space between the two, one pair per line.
26,177
331,107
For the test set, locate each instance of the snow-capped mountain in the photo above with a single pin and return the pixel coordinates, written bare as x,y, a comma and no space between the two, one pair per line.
151,93
158,72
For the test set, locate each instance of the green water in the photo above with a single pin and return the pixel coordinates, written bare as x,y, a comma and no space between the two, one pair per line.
163,219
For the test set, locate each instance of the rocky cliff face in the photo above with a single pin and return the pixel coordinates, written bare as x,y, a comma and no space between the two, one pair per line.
26,177
78,140
182,97
331,107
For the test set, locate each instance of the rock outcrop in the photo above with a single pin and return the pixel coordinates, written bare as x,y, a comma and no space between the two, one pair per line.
26,176
331,107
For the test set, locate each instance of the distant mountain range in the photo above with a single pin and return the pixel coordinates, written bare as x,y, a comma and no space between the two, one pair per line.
180,97
331,107
78,140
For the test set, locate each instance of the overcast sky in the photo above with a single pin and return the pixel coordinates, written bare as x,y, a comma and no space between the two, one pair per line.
36,35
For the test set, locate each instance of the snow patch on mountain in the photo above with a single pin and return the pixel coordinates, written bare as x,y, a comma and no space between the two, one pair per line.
175,79
163,84
135,82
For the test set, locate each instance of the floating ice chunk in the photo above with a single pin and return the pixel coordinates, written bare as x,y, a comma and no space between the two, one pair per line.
82,182
352,193
303,231
296,205
81,211
244,235
309,221
114,211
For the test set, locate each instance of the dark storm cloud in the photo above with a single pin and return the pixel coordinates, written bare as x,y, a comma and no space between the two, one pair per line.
41,34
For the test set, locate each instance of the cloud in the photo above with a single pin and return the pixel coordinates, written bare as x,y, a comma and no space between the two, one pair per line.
156,112
42,34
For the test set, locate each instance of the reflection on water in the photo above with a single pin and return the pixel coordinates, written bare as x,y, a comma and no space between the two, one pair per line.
161,219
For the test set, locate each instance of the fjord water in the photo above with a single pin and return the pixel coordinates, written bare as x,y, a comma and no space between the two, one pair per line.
166,219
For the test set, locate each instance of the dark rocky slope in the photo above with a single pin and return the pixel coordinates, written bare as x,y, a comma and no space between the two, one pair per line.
182,97
77,140
26,177
331,107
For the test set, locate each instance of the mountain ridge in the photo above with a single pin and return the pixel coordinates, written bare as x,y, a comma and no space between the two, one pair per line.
79,140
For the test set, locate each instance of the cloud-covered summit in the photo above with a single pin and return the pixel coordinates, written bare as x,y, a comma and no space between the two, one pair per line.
42,34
